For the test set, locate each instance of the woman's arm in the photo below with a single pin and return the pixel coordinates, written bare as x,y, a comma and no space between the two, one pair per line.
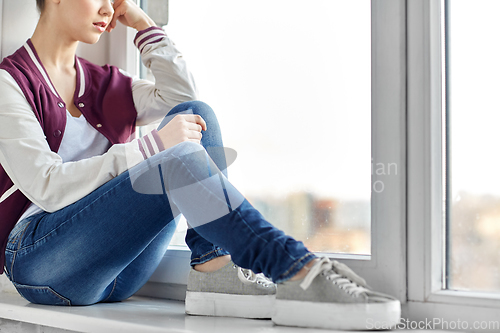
174,82
39,173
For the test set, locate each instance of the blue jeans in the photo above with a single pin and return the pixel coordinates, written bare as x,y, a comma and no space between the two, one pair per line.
105,247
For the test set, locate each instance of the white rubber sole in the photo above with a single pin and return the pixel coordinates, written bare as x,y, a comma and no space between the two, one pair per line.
226,305
337,316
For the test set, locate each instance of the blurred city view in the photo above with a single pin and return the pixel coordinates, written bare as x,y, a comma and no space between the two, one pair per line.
323,224
475,243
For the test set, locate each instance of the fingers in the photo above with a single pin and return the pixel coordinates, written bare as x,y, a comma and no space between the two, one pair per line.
120,8
200,121
194,119
194,127
183,127
116,15
194,124
194,136
117,3
131,15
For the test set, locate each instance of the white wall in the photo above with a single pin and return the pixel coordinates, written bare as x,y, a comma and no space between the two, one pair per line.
98,53
19,18
18,21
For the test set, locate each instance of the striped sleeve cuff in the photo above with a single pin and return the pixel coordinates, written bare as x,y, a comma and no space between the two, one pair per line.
150,144
149,36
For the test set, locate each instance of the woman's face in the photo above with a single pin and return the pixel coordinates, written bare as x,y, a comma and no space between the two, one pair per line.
83,20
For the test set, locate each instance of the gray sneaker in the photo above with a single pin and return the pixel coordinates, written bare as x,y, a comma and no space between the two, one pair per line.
231,291
332,296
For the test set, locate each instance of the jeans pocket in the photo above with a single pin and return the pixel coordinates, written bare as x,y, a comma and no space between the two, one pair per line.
41,295
16,234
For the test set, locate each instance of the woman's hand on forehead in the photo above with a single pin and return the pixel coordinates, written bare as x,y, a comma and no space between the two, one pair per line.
131,15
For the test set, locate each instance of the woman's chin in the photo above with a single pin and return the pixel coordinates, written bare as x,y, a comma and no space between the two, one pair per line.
91,40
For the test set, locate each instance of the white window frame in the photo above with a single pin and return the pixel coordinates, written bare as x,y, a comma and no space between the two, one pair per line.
122,51
385,268
426,206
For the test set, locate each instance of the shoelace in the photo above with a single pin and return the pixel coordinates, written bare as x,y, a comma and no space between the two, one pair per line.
339,274
247,276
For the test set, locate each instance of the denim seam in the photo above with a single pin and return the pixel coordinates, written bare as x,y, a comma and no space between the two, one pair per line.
284,275
112,290
206,254
20,238
263,239
73,216
52,291
184,164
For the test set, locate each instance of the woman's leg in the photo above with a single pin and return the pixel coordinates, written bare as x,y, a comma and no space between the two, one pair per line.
202,250
138,272
74,255
221,215
80,250
330,294
121,281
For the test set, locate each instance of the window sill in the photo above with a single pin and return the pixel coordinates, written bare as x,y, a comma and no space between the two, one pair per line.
137,314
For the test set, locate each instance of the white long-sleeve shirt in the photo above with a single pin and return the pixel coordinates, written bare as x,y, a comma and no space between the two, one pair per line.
41,174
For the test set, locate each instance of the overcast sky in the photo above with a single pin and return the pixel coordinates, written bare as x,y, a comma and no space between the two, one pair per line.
290,83
475,86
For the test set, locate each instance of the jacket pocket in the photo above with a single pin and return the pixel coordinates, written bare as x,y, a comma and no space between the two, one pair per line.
41,295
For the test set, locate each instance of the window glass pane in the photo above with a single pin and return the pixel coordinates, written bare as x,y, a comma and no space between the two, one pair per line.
474,161
290,82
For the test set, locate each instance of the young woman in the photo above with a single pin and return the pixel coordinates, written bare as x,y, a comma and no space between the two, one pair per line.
87,211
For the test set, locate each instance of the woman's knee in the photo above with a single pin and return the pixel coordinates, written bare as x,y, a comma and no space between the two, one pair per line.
183,155
192,107
186,163
184,148
195,107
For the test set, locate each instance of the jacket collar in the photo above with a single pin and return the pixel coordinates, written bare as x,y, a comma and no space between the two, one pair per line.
40,69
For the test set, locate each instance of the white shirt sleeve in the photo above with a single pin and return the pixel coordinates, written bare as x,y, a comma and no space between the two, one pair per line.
39,173
174,82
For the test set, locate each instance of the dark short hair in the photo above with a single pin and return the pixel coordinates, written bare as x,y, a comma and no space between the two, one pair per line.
40,5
